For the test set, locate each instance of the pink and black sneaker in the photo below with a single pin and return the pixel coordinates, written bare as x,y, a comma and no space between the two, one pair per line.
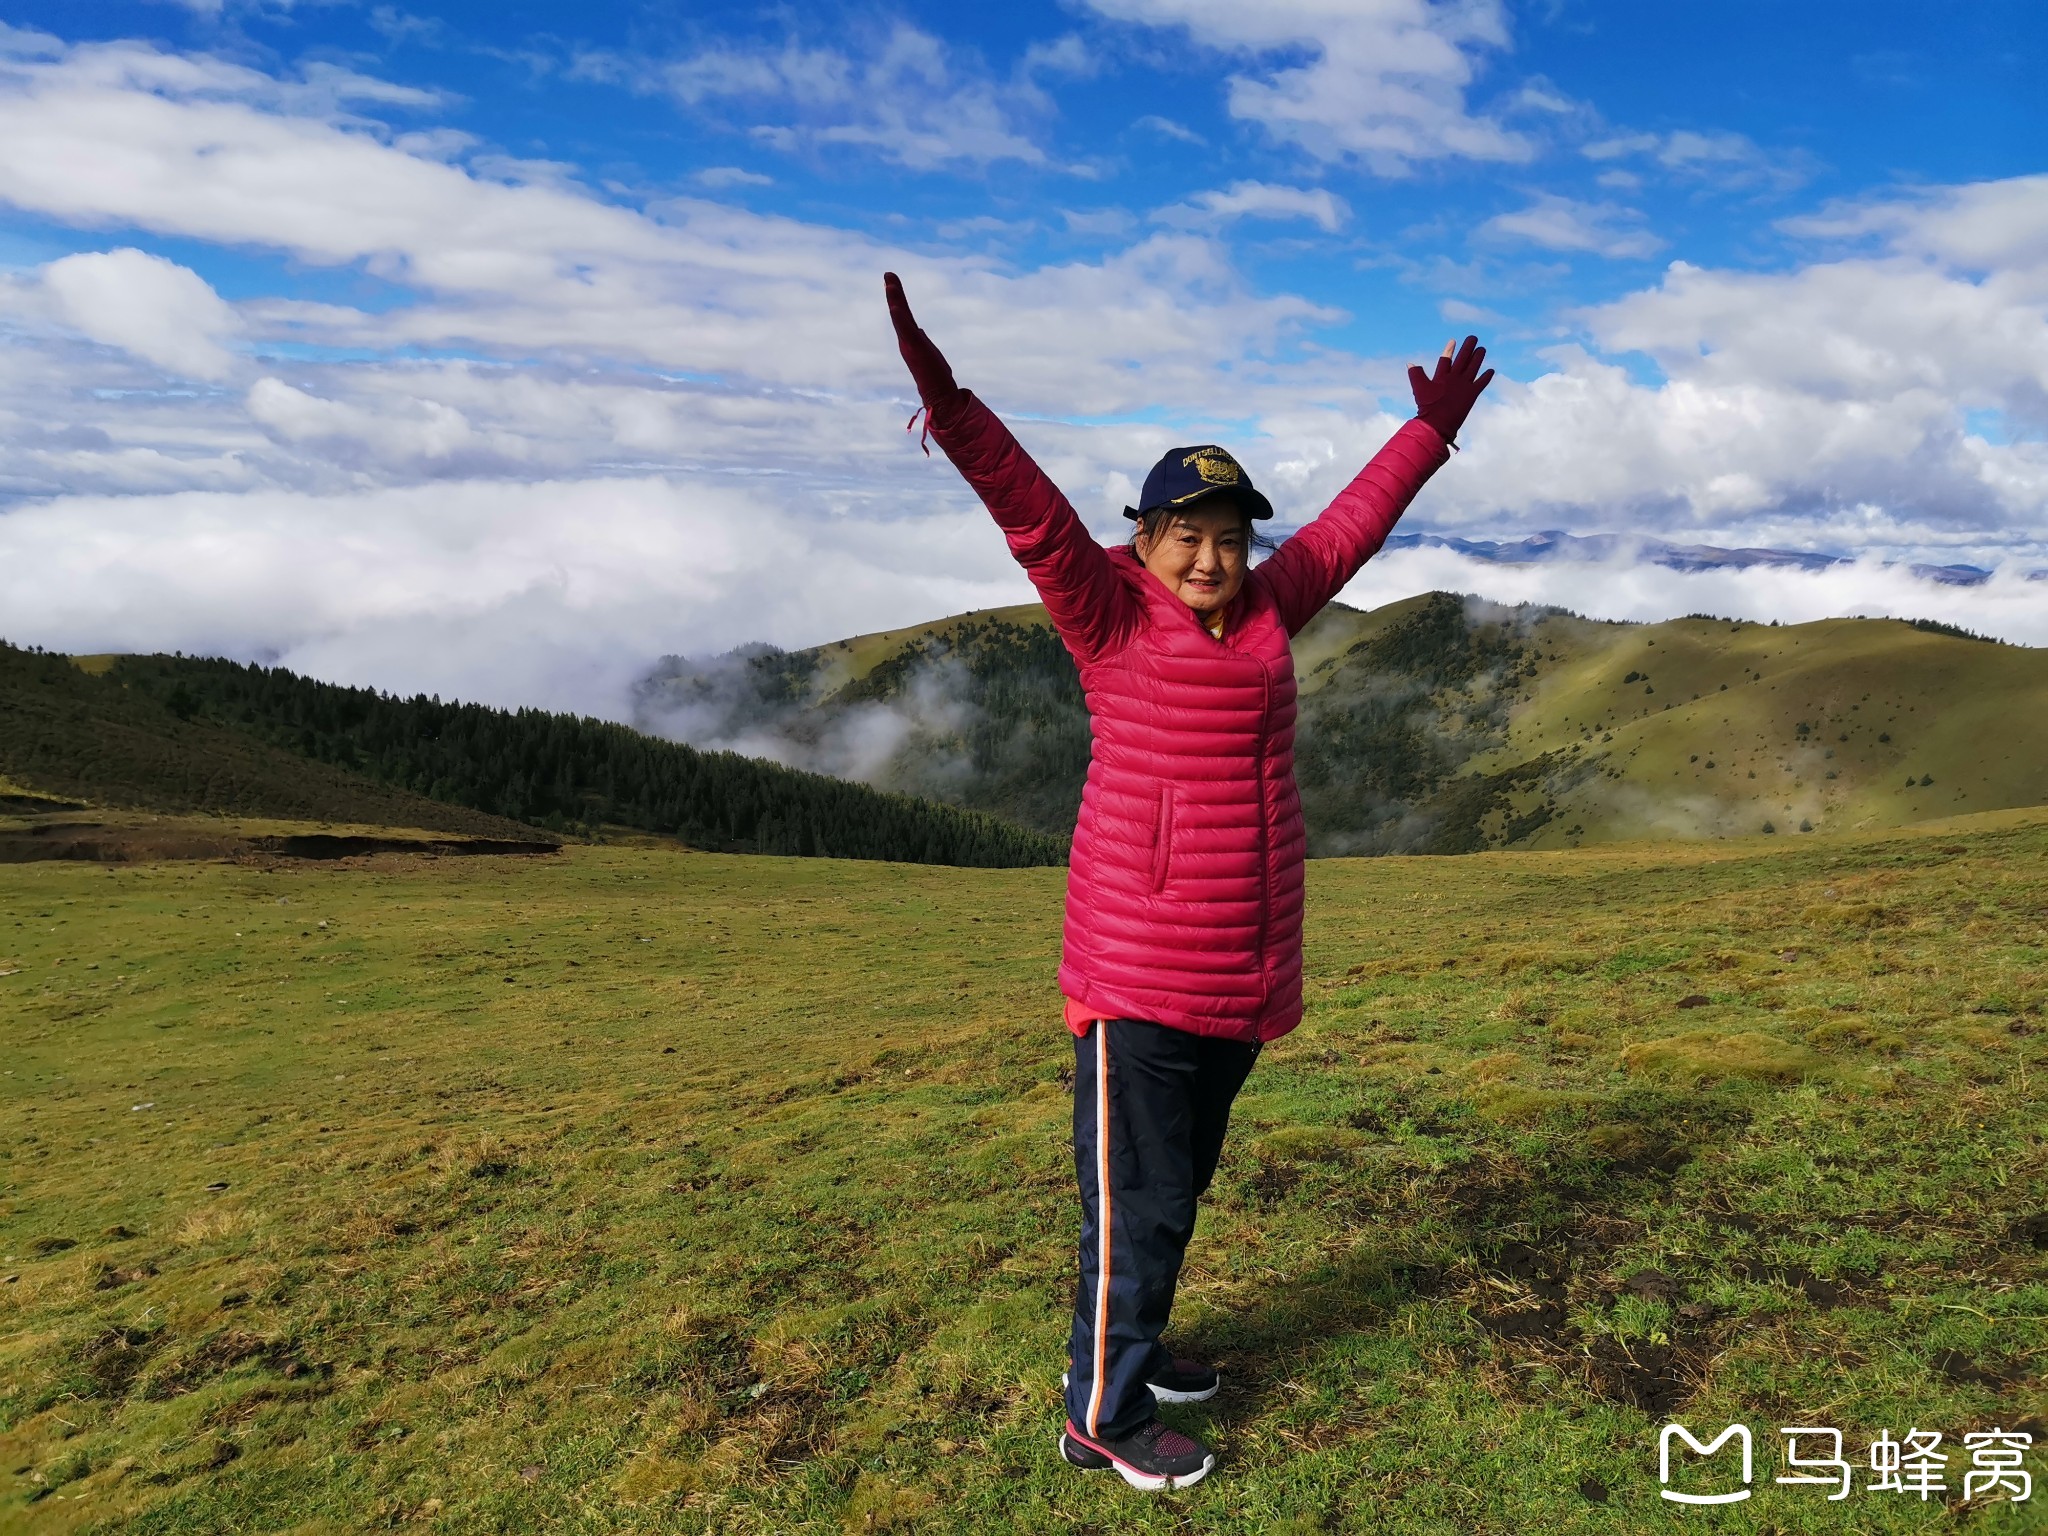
1153,1458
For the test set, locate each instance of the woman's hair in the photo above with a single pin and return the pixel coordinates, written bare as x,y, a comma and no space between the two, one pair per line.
1153,521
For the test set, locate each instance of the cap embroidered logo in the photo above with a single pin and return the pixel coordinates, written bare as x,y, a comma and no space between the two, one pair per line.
1214,466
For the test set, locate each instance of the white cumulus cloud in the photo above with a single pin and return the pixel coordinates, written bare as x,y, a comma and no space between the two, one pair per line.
202,150
907,96
1384,82
152,308
1258,200
1719,157
720,176
1565,224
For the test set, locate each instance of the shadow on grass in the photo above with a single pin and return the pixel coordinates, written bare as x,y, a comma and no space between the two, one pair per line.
1518,1238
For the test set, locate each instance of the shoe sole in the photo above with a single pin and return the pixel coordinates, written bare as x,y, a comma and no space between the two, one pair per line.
1145,1482
1165,1394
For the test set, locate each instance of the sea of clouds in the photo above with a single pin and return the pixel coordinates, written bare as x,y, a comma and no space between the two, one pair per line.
582,432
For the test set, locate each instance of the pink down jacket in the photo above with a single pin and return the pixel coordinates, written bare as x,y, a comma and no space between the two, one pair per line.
1184,891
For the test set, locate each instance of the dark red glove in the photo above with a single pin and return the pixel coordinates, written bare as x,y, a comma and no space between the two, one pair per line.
928,366
1445,399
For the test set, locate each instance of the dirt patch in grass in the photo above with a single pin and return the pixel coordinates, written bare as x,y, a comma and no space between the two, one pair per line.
2030,1230
1544,1324
1965,1371
1523,1291
112,1358
110,1277
218,1353
1657,1378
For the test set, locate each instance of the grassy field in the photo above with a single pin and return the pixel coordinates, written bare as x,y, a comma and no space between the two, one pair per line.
630,1190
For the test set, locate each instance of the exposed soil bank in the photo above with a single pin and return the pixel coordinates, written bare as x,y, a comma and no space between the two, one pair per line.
37,804
98,843
322,845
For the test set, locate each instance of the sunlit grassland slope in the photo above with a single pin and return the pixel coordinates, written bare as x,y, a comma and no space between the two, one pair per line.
1707,728
849,660
636,1191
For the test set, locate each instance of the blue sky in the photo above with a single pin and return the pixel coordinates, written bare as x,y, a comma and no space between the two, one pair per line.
1830,101
500,348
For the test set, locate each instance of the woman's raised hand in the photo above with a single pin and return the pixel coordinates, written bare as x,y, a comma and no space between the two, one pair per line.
1444,399
928,366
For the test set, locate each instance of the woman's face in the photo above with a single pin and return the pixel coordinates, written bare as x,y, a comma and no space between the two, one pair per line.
1201,554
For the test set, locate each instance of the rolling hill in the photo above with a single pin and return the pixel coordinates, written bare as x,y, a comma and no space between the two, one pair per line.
69,735
1443,723
179,733
1708,728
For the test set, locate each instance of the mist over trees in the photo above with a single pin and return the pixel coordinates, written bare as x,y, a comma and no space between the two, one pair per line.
987,714
1382,745
577,775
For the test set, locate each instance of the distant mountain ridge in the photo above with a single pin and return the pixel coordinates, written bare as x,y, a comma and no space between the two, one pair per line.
1604,548
1441,723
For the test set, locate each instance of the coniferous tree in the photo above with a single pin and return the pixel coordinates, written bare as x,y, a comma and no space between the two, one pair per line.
560,771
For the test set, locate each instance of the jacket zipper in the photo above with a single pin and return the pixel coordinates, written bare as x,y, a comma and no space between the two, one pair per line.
1162,848
1265,828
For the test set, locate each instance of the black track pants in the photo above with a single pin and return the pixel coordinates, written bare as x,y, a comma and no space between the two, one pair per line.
1150,1108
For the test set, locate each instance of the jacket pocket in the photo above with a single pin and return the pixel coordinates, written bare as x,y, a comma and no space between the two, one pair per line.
1162,846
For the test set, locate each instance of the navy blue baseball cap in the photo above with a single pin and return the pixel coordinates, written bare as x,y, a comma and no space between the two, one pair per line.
1188,475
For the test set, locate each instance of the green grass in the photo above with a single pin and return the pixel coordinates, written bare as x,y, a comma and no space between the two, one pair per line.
639,1191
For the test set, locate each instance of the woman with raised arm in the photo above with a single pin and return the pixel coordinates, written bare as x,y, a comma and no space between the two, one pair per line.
1182,939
